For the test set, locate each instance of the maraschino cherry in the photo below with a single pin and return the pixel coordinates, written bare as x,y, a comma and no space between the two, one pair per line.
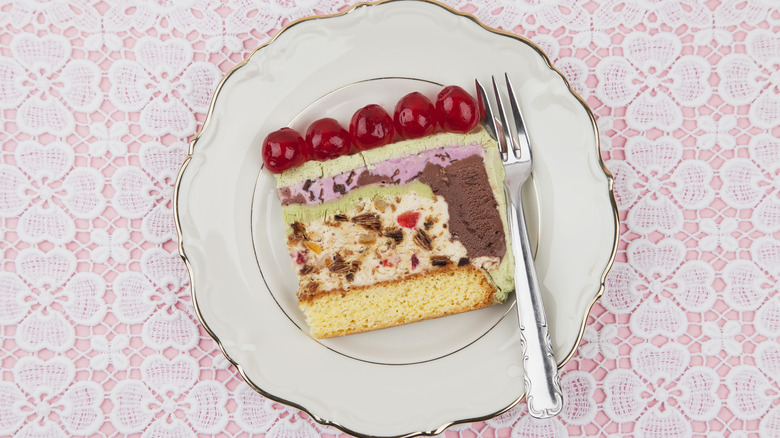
371,127
327,139
415,116
283,150
458,111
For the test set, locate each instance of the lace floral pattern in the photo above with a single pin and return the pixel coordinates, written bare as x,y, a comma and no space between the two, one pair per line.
98,99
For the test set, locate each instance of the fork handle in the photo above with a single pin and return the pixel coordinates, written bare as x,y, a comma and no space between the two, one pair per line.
542,382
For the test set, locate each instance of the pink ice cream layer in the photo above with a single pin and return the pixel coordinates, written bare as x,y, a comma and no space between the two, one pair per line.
393,171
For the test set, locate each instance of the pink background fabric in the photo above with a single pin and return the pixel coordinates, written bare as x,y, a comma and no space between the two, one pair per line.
99,98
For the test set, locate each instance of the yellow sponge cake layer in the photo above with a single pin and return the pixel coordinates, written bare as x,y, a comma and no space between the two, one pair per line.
441,292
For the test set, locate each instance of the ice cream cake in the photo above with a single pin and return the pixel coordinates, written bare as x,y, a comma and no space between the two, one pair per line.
397,230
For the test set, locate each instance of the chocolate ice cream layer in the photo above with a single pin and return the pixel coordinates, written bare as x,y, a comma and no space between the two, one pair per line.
474,216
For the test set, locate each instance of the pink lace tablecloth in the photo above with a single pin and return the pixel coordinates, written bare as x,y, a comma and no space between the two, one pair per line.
99,98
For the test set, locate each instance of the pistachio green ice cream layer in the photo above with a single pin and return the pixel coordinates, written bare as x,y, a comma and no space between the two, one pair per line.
304,213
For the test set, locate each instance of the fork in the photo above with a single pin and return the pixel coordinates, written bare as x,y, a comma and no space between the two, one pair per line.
542,383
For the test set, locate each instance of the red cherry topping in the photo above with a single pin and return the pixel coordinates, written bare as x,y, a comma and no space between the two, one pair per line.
458,111
415,116
283,149
327,139
408,219
371,127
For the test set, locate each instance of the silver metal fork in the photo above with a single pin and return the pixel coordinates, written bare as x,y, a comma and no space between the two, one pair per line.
542,383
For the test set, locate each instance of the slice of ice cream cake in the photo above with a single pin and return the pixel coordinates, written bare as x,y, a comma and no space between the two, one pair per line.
408,231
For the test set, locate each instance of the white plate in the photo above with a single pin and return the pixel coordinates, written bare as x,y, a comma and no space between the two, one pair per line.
408,344
422,377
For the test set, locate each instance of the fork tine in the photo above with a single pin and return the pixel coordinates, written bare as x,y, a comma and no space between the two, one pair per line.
494,127
506,132
522,143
